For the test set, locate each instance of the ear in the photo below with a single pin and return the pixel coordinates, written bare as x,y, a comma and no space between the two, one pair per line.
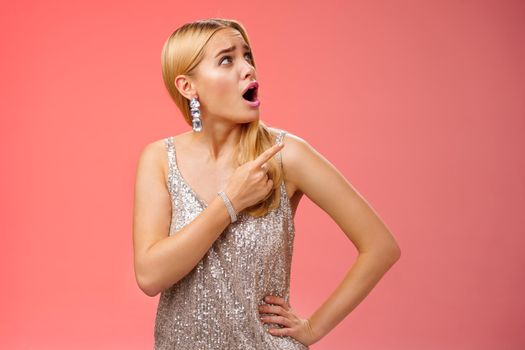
185,86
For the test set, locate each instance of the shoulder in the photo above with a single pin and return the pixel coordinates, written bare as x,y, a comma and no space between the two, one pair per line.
154,150
288,137
153,158
295,147
296,153
158,149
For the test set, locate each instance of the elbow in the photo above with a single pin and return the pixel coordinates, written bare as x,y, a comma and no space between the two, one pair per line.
150,292
391,250
147,287
152,286
389,254
147,281
394,252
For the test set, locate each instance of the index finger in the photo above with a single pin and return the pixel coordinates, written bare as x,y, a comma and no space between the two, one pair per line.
269,153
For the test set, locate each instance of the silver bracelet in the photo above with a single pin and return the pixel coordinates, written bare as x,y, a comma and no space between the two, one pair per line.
229,206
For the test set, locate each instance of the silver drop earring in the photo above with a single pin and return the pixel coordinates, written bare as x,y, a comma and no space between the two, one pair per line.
196,114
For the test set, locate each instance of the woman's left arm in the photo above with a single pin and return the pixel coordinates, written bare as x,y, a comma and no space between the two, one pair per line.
316,177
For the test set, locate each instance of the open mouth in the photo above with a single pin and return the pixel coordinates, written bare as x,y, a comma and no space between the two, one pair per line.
250,94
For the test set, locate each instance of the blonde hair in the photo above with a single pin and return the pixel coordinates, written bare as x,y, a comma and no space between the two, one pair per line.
181,53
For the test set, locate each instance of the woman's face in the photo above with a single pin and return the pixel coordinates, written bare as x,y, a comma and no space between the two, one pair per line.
222,76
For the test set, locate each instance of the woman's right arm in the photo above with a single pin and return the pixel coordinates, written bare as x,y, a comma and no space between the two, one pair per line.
161,260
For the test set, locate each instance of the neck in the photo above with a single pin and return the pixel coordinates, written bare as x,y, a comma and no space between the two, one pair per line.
217,140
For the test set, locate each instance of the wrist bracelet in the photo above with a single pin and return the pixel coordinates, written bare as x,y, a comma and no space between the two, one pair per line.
229,206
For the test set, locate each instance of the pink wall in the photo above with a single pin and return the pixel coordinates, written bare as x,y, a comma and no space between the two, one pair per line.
420,104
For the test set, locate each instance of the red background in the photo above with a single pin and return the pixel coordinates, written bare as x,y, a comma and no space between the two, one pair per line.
420,104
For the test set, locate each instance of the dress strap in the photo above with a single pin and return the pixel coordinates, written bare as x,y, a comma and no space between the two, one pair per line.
279,138
285,201
171,161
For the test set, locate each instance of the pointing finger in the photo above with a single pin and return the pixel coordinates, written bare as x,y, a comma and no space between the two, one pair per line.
269,153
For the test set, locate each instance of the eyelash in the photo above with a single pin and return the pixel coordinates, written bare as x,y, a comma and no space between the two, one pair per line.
230,57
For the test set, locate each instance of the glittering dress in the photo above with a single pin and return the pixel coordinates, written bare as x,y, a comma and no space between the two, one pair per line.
215,306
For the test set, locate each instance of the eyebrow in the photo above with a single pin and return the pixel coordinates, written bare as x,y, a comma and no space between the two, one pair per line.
231,48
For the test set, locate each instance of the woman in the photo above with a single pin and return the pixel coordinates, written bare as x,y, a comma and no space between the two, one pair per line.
213,222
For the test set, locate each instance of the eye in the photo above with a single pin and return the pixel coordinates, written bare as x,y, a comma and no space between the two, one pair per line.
249,54
223,58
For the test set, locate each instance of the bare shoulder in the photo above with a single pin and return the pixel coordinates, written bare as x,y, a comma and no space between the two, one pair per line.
295,150
151,154
153,159
155,153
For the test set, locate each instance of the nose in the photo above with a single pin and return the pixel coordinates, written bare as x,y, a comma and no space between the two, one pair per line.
248,70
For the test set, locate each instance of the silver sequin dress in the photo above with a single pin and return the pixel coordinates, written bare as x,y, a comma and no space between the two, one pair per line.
215,306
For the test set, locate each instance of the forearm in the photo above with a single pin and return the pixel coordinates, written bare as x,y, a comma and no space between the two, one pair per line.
360,279
173,257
